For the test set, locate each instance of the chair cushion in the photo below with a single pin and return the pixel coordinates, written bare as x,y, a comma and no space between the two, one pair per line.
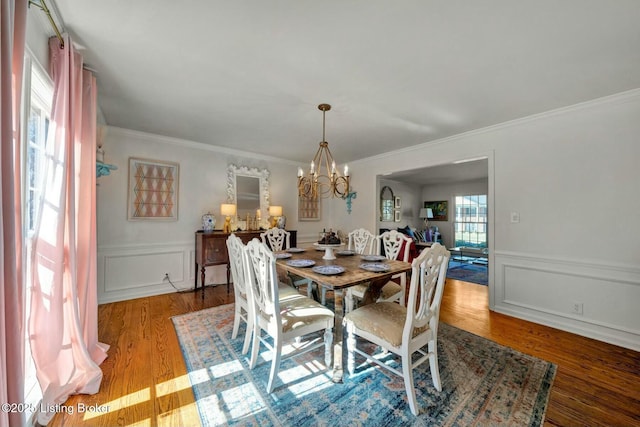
390,289
382,319
299,312
286,291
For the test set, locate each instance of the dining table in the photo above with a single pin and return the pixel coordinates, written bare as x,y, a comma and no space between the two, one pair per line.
346,270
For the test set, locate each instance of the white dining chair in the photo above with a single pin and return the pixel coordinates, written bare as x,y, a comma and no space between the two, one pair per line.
405,330
280,240
396,246
282,318
277,239
243,308
361,241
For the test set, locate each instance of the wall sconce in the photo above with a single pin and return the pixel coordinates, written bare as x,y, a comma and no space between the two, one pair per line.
228,210
275,212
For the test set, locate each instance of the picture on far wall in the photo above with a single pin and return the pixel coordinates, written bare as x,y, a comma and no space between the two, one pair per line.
153,190
439,209
309,209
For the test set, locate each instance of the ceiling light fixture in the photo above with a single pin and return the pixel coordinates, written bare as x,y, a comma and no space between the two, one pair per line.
323,179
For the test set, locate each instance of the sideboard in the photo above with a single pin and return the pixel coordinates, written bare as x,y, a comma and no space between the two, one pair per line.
211,249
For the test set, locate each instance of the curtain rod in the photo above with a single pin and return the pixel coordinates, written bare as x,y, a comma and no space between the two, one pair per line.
43,6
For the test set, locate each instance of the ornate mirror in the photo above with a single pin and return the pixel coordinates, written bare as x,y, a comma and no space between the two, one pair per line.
387,204
248,189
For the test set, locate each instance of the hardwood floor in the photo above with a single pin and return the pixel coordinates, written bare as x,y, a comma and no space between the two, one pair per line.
145,382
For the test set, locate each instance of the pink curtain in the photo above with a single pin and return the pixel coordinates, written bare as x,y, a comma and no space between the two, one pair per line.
63,324
13,19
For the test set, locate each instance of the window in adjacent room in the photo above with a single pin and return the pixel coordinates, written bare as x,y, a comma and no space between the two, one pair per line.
470,223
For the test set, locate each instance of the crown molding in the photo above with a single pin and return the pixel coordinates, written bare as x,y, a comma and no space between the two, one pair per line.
618,98
151,137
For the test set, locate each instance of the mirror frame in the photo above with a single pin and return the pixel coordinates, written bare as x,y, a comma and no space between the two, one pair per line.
387,215
262,174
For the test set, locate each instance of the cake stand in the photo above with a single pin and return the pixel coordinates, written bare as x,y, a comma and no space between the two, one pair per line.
328,249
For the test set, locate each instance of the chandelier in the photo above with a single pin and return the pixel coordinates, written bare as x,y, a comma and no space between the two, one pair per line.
323,179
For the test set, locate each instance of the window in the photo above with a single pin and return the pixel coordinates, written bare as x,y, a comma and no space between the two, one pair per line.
470,222
38,94
38,108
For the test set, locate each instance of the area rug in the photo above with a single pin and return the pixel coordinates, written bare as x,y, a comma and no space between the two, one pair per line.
468,272
483,383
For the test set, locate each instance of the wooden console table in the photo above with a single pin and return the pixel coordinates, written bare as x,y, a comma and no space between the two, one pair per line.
211,249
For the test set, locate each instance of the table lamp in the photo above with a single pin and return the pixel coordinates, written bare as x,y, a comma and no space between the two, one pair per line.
275,212
227,210
426,213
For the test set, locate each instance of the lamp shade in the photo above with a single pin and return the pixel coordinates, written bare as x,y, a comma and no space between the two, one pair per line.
227,209
275,210
426,213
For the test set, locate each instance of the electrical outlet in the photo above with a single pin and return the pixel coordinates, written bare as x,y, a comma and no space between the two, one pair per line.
577,307
515,217
166,276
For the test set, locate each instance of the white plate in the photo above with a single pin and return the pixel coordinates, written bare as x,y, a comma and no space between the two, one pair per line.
376,267
373,258
328,269
282,255
295,250
301,262
345,252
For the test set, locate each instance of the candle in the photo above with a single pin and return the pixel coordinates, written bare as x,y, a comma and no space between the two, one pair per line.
333,167
300,173
346,170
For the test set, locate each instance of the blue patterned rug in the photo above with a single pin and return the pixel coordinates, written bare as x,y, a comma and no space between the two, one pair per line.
468,272
483,383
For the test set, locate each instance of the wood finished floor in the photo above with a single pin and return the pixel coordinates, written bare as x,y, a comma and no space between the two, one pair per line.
145,381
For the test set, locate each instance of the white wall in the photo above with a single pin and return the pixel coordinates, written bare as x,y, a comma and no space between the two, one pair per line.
572,175
561,171
133,256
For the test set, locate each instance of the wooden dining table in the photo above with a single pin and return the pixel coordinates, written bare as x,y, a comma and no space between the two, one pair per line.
353,275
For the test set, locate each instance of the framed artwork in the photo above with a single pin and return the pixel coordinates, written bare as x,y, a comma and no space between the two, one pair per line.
396,215
440,210
153,190
309,209
397,202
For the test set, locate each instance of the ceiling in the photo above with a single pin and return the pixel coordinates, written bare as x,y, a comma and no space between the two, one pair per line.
250,74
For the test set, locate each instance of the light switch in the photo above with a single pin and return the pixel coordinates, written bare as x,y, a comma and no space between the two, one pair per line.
515,217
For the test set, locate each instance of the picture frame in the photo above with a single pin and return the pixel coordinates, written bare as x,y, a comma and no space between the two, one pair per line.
152,190
309,209
440,210
396,215
397,202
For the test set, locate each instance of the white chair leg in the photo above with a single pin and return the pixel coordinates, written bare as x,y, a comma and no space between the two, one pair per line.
236,321
255,347
275,363
323,298
348,301
310,290
433,364
407,373
328,341
351,346
247,338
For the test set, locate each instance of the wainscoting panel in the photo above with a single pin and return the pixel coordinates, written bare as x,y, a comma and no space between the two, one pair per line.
595,300
135,271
